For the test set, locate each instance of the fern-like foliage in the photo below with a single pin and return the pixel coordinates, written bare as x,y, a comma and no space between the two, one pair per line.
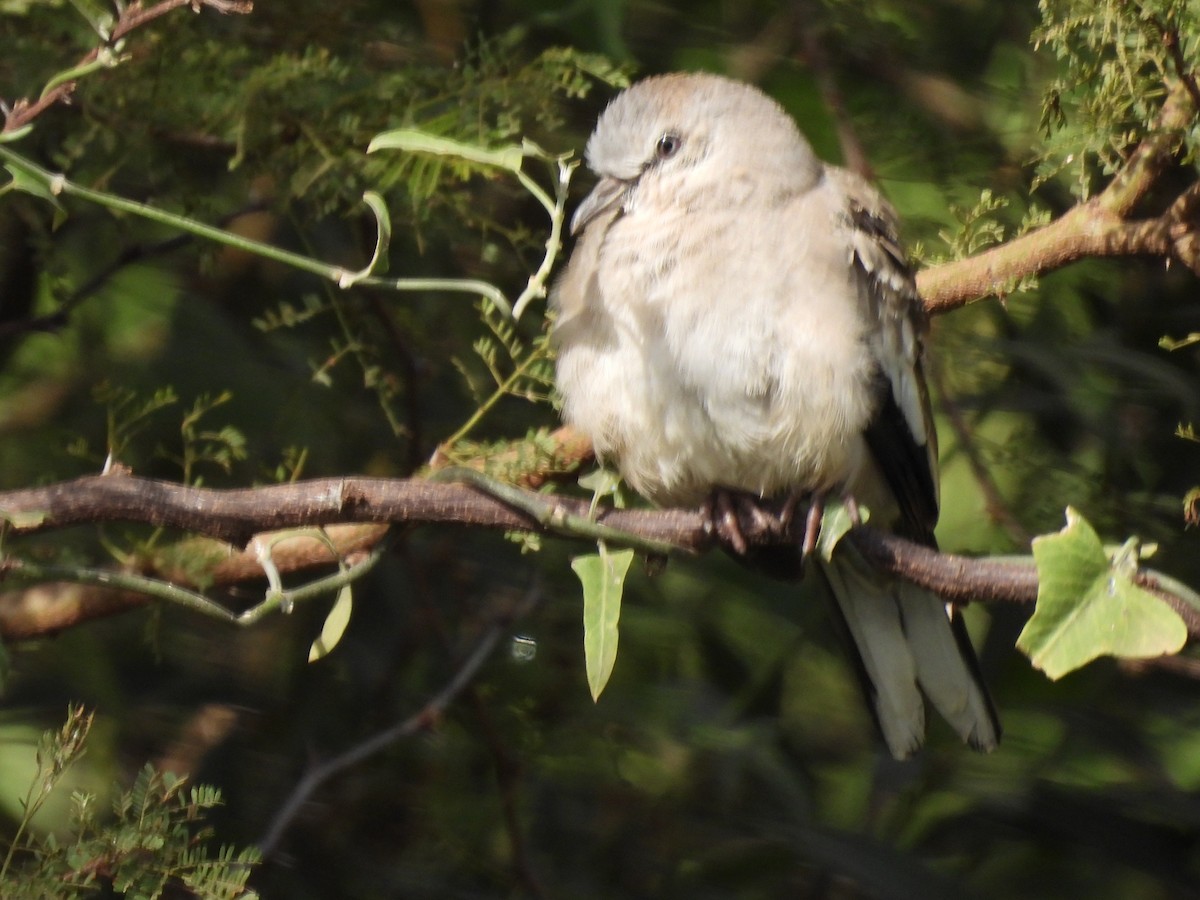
529,460
154,844
1118,58
506,365
300,120
978,227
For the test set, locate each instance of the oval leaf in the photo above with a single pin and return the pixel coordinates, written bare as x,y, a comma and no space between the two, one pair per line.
334,627
603,578
508,157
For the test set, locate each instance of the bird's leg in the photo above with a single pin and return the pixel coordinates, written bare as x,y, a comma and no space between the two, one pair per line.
812,524
723,521
788,511
812,519
852,509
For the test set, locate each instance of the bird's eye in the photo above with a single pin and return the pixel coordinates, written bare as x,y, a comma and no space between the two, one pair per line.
668,145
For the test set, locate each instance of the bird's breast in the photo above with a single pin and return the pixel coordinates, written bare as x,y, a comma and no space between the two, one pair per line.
708,350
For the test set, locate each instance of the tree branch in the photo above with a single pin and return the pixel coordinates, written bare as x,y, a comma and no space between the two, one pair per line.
239,515
1098,227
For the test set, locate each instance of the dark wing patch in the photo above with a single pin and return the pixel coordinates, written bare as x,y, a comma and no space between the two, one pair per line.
901,435
905,465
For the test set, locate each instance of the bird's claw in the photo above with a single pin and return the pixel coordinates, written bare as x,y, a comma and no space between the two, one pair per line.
734,517
812,525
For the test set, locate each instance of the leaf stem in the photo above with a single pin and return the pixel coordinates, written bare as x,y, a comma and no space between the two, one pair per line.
60,184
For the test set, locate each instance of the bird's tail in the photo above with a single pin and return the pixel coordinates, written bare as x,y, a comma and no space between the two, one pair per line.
908,644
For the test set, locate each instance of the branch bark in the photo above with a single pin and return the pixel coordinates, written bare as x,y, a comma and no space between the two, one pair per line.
359,509
1099,227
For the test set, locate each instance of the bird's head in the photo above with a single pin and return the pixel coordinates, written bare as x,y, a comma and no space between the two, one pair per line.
686,134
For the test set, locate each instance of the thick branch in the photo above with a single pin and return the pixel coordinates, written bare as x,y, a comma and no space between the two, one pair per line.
1099,227
237,515
963,579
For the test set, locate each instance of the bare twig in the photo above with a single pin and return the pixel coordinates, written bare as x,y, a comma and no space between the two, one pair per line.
46,609
405,359
58,319
1183,69
812,42
438,620
134,16
425,718
997,508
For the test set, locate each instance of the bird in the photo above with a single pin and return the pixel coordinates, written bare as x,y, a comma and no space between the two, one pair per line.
738,318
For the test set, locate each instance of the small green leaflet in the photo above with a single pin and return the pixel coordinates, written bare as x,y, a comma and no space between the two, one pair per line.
602,483
413,140
23,520
383,236
1088,606
18,133
23,180
835,525
334,627
603,578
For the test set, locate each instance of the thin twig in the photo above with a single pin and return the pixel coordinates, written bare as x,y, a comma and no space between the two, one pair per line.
996,506
433,617
131,17
1187,74
59,318
404,357
425,718
812,40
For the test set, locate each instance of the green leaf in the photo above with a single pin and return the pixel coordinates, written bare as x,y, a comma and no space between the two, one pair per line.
508,157
334,627
383,228
1088,606
835,525
603,578
17,133
22,520
602,483
30,183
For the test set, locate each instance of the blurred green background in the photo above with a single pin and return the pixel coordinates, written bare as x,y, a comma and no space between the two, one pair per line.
731,755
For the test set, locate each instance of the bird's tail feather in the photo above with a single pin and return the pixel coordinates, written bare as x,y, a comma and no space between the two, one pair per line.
947,670
907,644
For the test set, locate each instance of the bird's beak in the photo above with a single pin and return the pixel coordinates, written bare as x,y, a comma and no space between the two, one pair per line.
607,193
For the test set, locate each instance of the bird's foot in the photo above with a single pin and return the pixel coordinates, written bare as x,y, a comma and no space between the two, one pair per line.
738,519
725,511
812,518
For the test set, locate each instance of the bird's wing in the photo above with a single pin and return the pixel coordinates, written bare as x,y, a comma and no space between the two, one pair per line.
901,435
905,636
